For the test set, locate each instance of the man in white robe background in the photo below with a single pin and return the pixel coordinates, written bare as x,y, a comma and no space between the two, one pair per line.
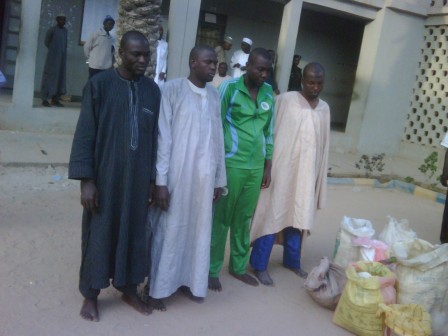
190,176
161,60
240,57
298,178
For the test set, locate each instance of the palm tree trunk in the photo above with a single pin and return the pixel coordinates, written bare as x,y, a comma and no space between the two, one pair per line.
143,16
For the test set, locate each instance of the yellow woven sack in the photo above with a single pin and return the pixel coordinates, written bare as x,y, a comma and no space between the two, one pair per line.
406,319
358,305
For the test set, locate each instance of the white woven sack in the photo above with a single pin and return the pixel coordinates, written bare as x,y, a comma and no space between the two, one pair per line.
422,274
351,228
395,231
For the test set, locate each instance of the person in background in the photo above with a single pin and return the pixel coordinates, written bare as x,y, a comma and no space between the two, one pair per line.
444,181
271,79
162,60
99,48
299,175
221,76
240,57
113,155
221,50
295,78
54,75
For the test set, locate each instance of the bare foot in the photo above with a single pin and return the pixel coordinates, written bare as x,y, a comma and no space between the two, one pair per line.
264,277
135,302
214,284
156,304
299,272
187,292
89,310
246,278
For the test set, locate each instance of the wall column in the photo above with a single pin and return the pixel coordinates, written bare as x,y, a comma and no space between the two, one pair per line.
384,80
182,29
23,92
287,42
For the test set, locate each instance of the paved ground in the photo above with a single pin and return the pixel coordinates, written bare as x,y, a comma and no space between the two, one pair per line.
40,220
40,251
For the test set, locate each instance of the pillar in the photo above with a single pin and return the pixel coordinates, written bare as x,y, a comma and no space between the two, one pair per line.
287,42
182,30
23,91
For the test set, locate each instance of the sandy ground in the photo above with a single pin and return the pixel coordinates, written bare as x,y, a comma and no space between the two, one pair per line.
40,220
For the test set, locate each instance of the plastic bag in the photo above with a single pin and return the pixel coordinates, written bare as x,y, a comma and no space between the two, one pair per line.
325,283
358,305
395,231
422,274
351,228
371,249
410,319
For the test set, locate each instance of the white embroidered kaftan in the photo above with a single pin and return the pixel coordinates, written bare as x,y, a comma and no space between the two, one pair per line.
240,57
190,161
299,167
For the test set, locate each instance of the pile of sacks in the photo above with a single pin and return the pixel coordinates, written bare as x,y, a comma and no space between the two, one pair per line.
394,285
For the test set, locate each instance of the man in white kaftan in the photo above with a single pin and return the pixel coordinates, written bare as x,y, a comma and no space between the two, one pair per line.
240,57
161,60
190,176
299,174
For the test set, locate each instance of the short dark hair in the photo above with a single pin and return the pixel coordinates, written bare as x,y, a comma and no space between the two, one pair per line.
196,50
313,67
259,52
132,35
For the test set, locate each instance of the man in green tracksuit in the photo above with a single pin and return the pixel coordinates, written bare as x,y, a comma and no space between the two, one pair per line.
247,106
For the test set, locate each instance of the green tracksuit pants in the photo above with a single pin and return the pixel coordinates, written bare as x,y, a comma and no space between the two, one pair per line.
235,211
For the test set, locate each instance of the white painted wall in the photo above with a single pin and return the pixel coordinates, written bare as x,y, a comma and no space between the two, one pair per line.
263,34
391,82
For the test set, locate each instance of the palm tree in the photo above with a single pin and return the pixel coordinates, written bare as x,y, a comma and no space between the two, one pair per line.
141,15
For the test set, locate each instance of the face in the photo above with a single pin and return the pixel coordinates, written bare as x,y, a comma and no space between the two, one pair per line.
108,25
204,66
135,56
296,60
312,84
61,21
258,70
226,45
222,69
245,47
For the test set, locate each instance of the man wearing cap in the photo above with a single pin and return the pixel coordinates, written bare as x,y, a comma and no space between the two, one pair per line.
53,78
99,48
221,50
240,57
162,59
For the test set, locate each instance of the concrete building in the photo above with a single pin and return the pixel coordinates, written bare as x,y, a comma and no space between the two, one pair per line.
386,60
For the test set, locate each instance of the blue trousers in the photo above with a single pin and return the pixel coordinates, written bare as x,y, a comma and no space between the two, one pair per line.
262,248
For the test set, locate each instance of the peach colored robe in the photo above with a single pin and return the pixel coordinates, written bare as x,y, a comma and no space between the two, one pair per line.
299,167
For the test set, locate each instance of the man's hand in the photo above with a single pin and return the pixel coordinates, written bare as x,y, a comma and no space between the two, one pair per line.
243,68
151,193
237,65
89,195
266,174
162,197
162,76
217,194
